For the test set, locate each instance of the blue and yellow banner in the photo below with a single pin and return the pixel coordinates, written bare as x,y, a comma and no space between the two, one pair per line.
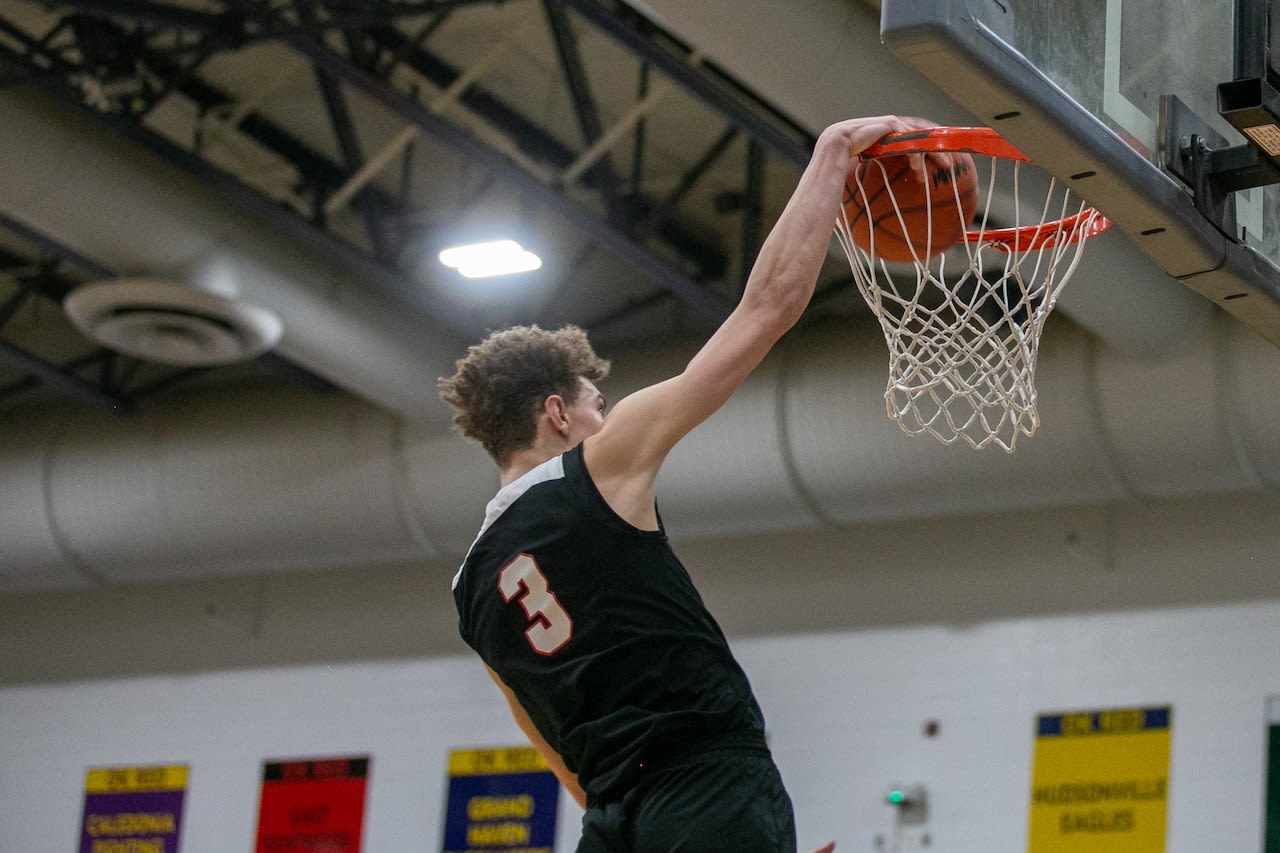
500,801
1100,781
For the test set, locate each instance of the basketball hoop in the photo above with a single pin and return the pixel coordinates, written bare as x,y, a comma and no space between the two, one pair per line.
964,331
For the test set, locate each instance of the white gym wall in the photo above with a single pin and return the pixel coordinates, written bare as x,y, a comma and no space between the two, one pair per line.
853,637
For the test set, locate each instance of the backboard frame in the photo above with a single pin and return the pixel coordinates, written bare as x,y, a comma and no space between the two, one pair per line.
946,42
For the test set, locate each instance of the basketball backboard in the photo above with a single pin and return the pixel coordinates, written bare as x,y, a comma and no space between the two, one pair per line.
1121,99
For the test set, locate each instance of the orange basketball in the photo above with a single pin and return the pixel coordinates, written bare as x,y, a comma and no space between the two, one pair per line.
926,218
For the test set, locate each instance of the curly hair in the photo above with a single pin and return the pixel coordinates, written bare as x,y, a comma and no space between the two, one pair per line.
502,382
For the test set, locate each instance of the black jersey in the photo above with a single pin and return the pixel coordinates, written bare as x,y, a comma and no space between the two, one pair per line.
598,630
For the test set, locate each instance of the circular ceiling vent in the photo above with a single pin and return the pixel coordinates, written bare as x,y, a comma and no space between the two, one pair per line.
171,324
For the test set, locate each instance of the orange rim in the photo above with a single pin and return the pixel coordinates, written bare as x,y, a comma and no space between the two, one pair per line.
967,140
1032,238
984,140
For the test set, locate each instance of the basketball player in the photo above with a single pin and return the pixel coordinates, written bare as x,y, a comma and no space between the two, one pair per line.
571,594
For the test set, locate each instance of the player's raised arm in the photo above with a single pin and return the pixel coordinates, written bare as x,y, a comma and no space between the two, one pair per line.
624,457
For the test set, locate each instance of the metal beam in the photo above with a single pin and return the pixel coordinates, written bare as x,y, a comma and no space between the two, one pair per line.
8,309
583,103
160,14
600,148
654,218
344,131
528,137
61,251
354,15
61,380
776,132
639,137
404,140
173,81
314,168
703,299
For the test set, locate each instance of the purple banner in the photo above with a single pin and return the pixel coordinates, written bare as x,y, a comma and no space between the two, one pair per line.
133,810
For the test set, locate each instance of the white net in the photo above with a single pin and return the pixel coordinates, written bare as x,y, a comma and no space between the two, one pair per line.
963,327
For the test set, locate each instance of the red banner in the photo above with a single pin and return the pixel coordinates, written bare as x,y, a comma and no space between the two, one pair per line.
312,805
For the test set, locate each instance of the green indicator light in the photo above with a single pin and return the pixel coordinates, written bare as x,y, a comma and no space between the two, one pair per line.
896,798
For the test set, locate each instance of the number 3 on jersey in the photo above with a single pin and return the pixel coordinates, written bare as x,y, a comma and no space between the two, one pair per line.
522,580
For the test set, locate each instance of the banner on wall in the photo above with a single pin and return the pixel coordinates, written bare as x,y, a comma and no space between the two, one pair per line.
1272,831
500,801
314,804
133,809
1100,781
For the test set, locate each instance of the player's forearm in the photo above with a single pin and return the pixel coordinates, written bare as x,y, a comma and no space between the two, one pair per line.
567,777
786,269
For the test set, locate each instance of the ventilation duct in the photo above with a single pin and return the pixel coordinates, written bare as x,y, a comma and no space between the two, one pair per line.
251,482
244,482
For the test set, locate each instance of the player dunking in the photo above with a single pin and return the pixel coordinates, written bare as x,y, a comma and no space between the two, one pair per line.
571,594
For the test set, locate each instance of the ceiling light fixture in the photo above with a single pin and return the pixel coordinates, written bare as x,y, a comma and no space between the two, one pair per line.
493,258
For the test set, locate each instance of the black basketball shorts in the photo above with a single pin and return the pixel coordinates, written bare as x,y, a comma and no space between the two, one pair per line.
729,800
